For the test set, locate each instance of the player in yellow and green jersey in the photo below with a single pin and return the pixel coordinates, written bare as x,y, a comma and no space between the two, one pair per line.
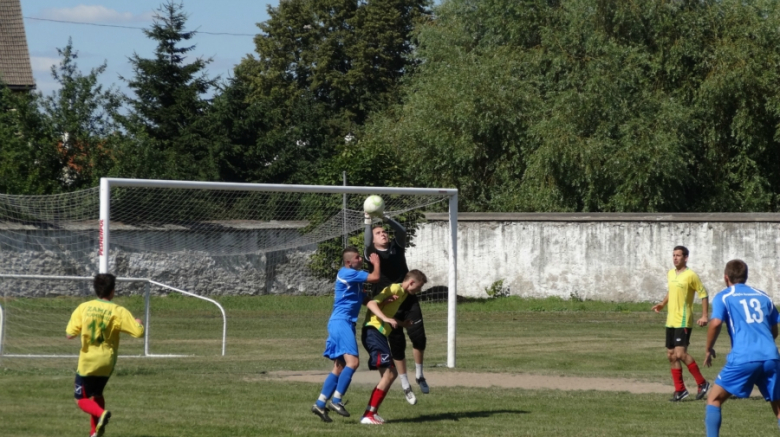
98,323
377,326
683,285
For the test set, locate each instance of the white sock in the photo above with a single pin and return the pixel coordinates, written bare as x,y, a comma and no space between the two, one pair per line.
405,381
418,370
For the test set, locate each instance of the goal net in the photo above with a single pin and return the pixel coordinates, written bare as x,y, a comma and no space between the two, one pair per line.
209,239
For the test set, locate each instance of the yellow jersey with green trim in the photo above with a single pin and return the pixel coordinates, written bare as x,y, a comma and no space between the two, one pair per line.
682,288
388,308
98,323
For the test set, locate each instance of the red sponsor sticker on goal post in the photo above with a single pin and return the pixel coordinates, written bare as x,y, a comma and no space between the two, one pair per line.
100,239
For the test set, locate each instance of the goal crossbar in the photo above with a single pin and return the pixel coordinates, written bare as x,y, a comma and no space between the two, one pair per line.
147,313
106,184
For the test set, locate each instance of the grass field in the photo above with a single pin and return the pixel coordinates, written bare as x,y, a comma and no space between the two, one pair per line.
210,395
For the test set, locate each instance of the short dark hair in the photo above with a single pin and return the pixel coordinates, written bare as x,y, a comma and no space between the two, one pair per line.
737,271
681,248
348,249
104,284
417,276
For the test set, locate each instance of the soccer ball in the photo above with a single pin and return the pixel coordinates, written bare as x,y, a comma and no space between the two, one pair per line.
374,206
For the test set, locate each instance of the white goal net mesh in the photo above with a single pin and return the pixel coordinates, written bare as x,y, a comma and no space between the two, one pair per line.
208,242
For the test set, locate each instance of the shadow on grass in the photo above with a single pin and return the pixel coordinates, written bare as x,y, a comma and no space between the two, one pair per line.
457,416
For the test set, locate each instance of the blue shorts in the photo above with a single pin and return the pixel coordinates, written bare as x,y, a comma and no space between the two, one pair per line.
89,386
378,348
341,339
739,379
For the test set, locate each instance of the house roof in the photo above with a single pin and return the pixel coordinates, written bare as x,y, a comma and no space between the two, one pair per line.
15,68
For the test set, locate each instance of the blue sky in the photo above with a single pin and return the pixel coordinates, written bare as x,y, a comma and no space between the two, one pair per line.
96,44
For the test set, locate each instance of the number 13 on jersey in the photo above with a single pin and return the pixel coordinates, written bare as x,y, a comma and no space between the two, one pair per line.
754,316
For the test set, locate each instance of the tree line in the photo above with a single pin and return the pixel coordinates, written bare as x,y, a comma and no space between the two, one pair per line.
523,105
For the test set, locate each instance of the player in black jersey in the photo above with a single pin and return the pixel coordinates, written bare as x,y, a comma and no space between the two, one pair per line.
394,269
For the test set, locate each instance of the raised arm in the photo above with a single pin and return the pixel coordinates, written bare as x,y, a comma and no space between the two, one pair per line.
368,236
400,231
373,277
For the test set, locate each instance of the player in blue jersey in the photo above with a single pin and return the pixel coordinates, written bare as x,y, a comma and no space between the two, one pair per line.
751,319
341,346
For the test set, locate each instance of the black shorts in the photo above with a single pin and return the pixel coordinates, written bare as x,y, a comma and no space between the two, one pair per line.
678,337
378,349
89,386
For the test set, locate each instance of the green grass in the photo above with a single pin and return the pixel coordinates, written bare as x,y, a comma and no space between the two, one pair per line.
210,395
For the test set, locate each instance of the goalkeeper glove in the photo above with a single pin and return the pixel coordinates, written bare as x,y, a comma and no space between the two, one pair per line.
367,218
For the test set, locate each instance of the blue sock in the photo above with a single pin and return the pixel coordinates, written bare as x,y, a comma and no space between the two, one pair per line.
778,423
344,379
712,421
327,389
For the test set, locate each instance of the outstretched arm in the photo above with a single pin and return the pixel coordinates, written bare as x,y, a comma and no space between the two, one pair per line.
400,231
368,237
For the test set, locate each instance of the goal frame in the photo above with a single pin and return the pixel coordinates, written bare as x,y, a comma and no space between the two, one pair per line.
147,312
104,237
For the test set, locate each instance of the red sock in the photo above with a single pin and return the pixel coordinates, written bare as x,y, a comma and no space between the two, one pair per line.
679,385
93,421
377,396
90,407
694,369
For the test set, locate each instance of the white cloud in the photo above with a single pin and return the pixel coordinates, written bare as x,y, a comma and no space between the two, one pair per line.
42,63
94,14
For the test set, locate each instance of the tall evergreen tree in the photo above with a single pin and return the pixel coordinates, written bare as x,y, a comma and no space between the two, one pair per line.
168,111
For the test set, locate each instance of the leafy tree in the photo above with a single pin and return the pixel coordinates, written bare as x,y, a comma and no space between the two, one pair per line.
81,120
28,163
63,141
168,113
321,66
594,105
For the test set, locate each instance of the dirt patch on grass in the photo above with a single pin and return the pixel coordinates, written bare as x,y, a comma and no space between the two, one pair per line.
505,380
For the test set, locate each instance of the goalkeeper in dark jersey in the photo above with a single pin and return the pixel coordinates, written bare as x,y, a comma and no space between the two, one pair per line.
394,269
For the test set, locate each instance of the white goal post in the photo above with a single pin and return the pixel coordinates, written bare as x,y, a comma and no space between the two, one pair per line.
146,317
104,244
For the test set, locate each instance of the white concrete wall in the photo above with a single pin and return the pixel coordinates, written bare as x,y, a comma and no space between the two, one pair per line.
602,259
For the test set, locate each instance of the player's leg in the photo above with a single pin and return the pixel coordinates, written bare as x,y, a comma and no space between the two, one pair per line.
702,385
416,333
712,419
85,388
328,387
380,359
345,379
733,380
97,395
397,343
340,343
680,392
770,386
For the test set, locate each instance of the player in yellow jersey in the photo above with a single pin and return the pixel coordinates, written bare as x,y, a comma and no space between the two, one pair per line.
98,323
683,285
378,325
